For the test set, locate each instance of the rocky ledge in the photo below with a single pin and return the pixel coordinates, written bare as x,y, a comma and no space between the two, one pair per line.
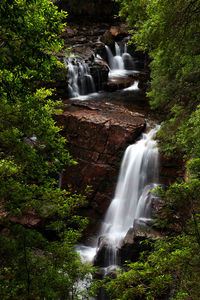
98,133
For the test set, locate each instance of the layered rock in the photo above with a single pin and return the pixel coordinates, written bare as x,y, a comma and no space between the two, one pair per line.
97,133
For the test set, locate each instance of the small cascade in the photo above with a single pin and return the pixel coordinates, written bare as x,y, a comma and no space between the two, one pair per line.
121,62
80,81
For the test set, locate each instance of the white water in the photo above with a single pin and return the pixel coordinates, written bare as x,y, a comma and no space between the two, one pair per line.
138,175
80,81
133,87
132,200
121,62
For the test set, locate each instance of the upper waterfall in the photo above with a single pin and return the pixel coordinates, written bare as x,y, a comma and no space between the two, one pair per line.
121,62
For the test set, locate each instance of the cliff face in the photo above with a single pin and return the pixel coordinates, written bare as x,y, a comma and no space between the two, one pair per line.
97,135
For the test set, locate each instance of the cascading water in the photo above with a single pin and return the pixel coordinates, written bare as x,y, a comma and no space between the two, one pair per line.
80,81
121,63
138,176
132,201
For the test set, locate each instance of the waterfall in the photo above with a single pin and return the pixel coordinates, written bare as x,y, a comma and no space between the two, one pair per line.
132,200
80,81
121,62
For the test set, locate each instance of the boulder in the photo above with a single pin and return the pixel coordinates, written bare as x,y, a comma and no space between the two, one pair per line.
107,254
119,31
131,246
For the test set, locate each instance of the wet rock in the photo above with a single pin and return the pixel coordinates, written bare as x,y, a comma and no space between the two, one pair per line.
107,254
84,44
142,78
87,44
100,257
99,71
131,246
132,251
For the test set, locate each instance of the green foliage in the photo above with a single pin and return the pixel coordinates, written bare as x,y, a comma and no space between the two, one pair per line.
32,154
49,271
171,269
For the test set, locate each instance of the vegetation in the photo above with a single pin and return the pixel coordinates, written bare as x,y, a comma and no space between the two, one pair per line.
39,262
169,31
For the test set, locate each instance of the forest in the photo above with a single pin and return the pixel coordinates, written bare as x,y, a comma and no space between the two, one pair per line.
42,221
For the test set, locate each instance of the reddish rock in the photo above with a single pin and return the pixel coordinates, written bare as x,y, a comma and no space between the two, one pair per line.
107,38
119,30
30,219
98,134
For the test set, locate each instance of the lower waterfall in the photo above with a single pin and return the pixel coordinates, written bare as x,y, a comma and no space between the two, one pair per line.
132,200
138,176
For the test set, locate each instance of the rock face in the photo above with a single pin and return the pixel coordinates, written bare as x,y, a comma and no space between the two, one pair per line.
97,133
